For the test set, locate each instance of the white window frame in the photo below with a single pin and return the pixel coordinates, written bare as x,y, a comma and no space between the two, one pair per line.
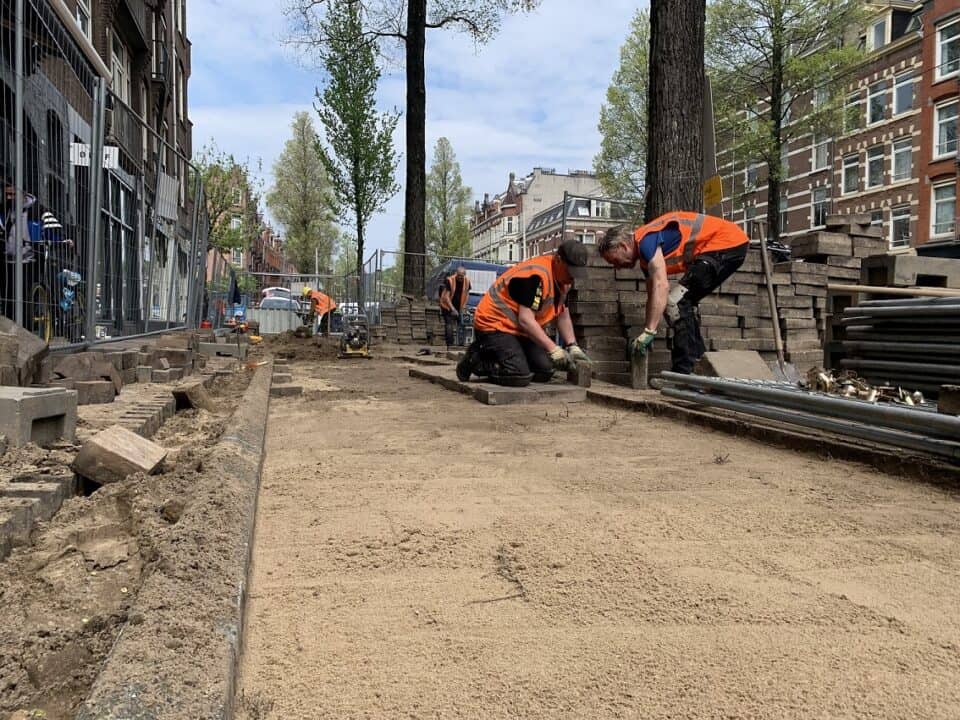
937,145
875,155
903,146
181,103
873,33
120,68
823,145
871,94
843,173
900,212
784,212
236,256
851,113
901,80
934,225
939,74
814,203
236,222
84,18
237,197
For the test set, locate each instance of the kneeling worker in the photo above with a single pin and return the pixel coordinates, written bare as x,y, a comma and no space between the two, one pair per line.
511,347
706,249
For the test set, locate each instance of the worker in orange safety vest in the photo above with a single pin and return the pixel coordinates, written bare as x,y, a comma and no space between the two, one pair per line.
454,293
706,250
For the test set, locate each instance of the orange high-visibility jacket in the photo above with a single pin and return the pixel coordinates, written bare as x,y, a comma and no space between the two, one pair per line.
321,304
450,286
498,312
698,234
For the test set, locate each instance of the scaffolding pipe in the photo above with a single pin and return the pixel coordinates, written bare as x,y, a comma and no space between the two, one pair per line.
850,409
885,436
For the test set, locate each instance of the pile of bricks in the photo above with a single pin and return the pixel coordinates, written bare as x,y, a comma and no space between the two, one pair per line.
411,323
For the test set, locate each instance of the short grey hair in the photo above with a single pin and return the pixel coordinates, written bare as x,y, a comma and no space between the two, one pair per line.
617,235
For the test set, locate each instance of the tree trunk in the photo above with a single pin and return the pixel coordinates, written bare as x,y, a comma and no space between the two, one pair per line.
675,107
361,305
415,191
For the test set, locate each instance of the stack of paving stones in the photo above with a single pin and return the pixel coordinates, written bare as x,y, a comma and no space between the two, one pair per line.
412,323
282,379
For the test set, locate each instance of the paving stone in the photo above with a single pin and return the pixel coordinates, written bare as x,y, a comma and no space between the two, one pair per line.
194,395
116,452
16,519
744,364
285,390
162,376
39,415
144,374
49,496
95,392
491,394
282,378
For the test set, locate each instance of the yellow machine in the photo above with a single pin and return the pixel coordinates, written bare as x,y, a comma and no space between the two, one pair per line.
355,341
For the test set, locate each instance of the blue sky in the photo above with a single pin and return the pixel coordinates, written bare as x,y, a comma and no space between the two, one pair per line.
531,97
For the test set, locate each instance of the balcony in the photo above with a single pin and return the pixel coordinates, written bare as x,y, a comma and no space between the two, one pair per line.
132,16
160,63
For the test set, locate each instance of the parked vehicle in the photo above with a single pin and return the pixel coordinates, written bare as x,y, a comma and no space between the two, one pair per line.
280,303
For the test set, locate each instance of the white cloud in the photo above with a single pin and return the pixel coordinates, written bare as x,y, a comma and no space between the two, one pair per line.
529,97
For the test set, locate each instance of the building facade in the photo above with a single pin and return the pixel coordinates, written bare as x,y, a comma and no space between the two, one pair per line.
585,220
499,232
895,156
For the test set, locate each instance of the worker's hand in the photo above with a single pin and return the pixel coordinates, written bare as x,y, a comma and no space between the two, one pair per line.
561,359
643,342
456,313
578,355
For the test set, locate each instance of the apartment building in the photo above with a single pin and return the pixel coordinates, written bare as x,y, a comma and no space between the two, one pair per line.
585,220
500,223
895,156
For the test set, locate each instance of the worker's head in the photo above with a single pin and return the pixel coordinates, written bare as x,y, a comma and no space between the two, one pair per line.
461,271
305,291
570,254
618,248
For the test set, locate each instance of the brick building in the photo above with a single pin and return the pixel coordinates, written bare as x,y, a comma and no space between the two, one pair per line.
582,219
894,158
500,224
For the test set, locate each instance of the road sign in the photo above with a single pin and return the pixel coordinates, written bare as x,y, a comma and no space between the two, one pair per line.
712,192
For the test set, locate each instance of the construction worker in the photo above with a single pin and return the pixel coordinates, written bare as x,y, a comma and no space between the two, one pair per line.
320,305
511,347
454,293
706,250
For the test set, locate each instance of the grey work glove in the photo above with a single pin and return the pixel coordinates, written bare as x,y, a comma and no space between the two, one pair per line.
673,303
643,342
578,355
561,359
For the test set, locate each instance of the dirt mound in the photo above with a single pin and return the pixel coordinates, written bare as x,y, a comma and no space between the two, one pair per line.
64,600
288,346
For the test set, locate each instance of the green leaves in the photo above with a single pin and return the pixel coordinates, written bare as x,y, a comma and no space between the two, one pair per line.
448,206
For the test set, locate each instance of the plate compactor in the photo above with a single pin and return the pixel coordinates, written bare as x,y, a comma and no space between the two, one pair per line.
355,341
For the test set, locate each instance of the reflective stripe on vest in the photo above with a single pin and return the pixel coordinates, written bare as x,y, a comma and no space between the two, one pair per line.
690,244
505,318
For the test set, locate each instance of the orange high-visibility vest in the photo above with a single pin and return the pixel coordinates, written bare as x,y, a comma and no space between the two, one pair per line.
498,312
321,304
698,234
451,286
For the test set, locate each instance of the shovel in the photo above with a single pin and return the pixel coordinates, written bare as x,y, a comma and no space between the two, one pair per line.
784,370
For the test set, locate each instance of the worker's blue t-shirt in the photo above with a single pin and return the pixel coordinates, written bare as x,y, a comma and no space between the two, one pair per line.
667,240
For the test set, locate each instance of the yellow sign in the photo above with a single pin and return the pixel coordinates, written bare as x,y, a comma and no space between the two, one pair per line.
712,192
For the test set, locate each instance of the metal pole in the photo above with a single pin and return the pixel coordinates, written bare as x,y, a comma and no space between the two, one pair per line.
153,244
908,292
856,410
880,435
563,218
96,200
19,198
772,298
192,279
173,261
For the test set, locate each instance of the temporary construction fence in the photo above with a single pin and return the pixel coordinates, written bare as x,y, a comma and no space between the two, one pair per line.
104,221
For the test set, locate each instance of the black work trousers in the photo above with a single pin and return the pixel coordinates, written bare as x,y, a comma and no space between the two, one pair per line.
512,360
452,328
705,274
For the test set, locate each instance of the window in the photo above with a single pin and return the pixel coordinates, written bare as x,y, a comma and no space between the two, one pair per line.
236,256
181,15
879,34
784,212
120,61
237,196
903,159
510,253
235,222
903,94
784,160
851,174
945,129
821,153
944,208
875,166
877,103
900,226
181,101
821,96
753,175
876,217
83,16
948,49
510,224
851,114
821,205
750,214
587,238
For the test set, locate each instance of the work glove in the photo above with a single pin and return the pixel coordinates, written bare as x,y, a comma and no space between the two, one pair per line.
578,355
642,343
561,359
456,313
673,303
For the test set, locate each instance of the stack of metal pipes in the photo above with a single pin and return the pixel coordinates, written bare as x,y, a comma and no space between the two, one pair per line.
913,343
918,429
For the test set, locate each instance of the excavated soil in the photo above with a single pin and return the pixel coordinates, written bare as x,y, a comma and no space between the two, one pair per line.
421,555
287,346
65,598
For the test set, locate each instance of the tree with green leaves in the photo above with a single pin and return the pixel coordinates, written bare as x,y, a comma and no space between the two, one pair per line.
621,164
780,68
405,22
358,152
301,199
448,206
231,197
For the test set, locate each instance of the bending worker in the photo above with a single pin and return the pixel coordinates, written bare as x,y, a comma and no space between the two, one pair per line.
454,293
705,249
511,346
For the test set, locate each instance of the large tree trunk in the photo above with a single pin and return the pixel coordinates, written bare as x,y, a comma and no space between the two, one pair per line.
675,108
361,300
415,191
774,164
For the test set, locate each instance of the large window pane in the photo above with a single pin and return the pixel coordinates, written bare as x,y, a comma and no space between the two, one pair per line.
851,174
875,166
877,104
944,209
946,130
948,49
903,95
902,159
900,226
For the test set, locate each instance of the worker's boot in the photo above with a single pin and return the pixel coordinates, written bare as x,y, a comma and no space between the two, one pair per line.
468,363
